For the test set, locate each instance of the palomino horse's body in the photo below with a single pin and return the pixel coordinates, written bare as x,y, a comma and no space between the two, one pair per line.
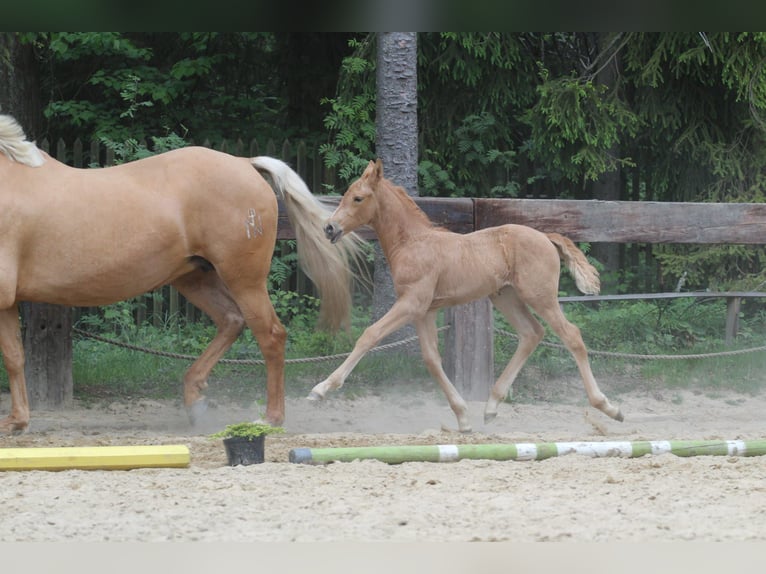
515,266
200,220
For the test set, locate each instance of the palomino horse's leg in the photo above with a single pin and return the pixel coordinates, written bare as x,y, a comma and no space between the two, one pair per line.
570,335
429,347
205,290
530,333
13,356
397,317
271,335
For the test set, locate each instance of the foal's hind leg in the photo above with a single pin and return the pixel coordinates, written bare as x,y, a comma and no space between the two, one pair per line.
570,335
530,334
205,290
429,347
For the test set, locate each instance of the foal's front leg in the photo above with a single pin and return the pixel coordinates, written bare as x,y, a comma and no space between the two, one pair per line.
398,316
429,346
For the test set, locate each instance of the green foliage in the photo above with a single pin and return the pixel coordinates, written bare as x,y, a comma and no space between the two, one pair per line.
247,430
476,139
574,124
714,268
435,179
203,83
682,326
291,306
131,149
665,327
351,119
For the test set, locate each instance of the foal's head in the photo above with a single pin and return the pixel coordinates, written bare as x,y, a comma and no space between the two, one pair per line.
358,205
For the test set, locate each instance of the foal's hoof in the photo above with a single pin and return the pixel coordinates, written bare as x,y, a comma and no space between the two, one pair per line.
489,417
618,416
197,411
314,396
462,430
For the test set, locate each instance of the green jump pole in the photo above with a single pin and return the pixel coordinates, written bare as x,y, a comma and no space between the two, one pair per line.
527,451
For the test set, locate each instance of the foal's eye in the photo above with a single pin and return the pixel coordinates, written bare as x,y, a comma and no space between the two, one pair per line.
358,199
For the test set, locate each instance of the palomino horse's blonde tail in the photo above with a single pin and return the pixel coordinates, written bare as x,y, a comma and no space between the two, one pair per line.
329,266
14,144
585,275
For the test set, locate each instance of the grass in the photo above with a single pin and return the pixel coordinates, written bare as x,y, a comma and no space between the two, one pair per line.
102,371
680,327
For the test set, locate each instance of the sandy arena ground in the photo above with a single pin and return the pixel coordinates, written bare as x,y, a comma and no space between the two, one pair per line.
570,498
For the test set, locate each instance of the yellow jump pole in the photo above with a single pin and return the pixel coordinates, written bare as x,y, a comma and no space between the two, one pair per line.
94,457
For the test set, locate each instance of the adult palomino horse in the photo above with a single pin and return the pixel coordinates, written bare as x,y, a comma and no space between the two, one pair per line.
517,267
200,220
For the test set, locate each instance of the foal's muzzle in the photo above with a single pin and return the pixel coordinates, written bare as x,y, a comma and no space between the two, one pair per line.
333,231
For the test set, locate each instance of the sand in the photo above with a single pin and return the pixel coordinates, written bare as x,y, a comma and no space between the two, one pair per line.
568,498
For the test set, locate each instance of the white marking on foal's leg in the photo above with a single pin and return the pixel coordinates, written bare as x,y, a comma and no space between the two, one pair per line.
331,383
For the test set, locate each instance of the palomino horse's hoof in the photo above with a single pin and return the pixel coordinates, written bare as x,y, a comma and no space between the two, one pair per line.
12,428
314,396
489,417
197,411
618,416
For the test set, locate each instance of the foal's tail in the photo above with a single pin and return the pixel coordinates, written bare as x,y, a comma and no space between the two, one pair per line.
585,275
328,265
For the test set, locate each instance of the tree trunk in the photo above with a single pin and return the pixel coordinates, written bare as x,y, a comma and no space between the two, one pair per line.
19,85
396,141
607,187
47,328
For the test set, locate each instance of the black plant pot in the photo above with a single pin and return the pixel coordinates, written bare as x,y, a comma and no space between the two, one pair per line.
244,451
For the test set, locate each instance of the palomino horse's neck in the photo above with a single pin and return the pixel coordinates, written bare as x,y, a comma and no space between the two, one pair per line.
398,217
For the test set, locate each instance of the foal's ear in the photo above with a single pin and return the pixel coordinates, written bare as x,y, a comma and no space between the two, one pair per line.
374,170
378,168
369,170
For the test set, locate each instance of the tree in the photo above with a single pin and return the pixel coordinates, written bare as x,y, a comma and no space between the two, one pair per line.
607,186
396,141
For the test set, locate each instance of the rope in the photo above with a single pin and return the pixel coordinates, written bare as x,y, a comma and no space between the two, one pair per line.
407,341
647,357
182,357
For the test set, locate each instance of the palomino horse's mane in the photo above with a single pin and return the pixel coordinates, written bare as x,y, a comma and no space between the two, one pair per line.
14,144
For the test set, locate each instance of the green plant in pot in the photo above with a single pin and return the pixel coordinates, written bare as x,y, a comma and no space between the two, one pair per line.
245,442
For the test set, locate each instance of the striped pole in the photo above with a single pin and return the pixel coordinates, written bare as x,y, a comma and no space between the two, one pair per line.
527,451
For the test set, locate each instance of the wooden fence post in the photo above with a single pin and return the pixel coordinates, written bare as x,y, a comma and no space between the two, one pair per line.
469,349
48,351
732,318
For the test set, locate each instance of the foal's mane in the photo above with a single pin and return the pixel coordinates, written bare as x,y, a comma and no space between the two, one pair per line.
14,144
409,204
